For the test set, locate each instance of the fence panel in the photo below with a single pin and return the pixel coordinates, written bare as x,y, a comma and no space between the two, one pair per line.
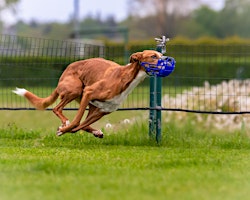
207,78
36,64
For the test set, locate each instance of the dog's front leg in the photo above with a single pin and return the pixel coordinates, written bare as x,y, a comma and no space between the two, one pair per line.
95,132
96,115
92,110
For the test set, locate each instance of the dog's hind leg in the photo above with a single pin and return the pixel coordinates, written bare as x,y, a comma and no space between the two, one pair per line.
58,111
95,91
69,89
88,94
78,117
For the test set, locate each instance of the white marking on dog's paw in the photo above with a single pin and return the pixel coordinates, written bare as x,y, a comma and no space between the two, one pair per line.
98,133
19,91
67,123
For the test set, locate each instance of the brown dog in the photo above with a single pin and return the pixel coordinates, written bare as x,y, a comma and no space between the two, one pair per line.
98,83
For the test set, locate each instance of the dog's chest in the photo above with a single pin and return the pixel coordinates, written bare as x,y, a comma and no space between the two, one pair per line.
113,104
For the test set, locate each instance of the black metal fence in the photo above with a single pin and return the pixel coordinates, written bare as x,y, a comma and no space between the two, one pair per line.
207,78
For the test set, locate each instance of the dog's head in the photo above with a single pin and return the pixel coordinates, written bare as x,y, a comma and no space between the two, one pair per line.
149,56
154,63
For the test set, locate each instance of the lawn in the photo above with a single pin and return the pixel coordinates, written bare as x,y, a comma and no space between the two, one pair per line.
190,163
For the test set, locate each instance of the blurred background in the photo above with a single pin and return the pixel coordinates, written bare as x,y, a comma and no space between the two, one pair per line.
144,19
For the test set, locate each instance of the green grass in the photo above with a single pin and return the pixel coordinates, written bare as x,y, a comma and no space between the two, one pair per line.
46,121
190,163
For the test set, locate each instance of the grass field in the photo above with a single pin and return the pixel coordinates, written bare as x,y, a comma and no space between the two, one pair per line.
190,163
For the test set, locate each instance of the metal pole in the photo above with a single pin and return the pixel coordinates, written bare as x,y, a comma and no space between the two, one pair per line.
155,96
126,53
152,113
158,111
76,19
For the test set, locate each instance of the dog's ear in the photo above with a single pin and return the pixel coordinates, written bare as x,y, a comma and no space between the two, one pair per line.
135,57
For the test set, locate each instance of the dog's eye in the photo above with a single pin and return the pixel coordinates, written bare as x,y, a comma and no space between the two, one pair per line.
154,56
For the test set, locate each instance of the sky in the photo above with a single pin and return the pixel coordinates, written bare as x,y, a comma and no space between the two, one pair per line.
61,10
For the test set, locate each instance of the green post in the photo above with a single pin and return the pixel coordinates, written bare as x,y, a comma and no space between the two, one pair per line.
152,113
158,107
155,97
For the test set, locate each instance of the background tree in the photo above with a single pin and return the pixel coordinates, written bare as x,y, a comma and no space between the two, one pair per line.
4,4
163,11
150,18
206,22
234,19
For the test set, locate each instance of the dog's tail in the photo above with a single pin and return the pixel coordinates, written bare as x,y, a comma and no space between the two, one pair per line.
37,102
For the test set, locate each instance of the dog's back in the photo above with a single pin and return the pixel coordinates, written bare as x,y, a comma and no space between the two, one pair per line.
99,69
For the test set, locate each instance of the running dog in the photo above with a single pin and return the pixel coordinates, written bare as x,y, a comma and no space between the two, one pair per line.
96,83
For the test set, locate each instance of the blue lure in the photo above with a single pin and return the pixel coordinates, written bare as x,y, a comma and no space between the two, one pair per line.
163,68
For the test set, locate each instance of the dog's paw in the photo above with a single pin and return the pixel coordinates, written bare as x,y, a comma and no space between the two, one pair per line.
59,132
67,123
98,134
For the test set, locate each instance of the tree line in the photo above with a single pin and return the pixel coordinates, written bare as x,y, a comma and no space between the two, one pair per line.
166,17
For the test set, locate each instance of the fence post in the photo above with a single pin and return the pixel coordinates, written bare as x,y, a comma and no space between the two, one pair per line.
152,113
155,96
